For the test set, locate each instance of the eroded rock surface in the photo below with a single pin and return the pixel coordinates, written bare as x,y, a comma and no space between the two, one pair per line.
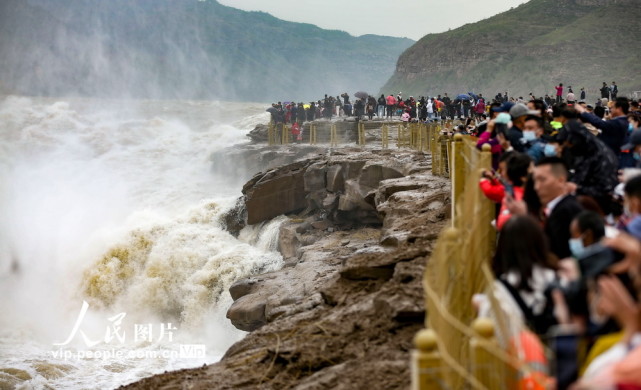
343,310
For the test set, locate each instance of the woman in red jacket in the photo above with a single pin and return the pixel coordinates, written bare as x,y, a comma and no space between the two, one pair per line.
508,181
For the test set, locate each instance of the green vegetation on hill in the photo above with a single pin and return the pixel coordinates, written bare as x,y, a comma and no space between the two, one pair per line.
181,49
530,48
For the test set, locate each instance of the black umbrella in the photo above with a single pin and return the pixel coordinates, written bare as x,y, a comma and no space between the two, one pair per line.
361,95
272,110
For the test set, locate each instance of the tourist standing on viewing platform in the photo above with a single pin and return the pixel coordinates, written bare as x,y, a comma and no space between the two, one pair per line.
559,93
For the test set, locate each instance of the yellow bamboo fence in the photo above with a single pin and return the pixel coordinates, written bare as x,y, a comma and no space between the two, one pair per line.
456,350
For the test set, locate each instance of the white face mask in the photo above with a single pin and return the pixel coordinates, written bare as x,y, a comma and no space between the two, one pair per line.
529,136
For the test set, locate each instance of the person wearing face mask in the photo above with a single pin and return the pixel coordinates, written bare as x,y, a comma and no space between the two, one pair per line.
534,136
518,112
632,206
586,230
559,207
552,148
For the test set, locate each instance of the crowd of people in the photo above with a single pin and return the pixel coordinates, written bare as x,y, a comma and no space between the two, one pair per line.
423,109
566,181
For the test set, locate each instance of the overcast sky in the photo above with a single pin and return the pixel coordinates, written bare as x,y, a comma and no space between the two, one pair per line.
410,18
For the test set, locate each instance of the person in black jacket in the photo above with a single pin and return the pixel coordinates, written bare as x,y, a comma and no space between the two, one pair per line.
614,132
559,207
605,91
380,108
311,112
448,105
594,165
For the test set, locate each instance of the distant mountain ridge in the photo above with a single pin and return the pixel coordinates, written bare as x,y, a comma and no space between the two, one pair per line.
181,49
531,48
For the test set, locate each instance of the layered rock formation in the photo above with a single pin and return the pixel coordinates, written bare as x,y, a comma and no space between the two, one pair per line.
344,309
341,185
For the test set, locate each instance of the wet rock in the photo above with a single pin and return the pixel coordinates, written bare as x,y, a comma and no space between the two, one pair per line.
304,227
353,198
352,169
315,199
361,267
281,191
373,174
321,225
288,242
259,133
315,177
248,312
234,219
335,180
343,311
242,287
330,202
402,306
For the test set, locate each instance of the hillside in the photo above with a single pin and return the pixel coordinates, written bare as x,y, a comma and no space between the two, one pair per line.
181,49
529,48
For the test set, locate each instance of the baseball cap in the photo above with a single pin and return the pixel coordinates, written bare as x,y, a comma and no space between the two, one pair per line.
520,109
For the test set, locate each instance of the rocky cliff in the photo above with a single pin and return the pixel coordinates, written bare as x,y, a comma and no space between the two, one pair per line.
343,311
530,48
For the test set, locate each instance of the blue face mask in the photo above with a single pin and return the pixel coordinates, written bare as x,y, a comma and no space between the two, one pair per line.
549,150
630,127
576,247
529,136
636,156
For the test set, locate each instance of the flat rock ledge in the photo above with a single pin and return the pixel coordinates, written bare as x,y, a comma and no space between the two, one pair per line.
343,310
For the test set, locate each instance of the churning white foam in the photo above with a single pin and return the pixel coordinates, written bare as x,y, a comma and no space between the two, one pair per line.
115,204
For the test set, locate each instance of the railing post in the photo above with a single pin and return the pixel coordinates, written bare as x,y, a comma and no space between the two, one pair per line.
312,134
361,133
485,366
385,136
415,136
457,173
271,139
285,134
486,156
427,366
332,136
443,154
435,151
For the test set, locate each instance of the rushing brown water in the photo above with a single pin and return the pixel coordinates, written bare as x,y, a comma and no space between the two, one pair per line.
115,204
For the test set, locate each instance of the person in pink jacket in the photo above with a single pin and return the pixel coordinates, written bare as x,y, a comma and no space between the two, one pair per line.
391,104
